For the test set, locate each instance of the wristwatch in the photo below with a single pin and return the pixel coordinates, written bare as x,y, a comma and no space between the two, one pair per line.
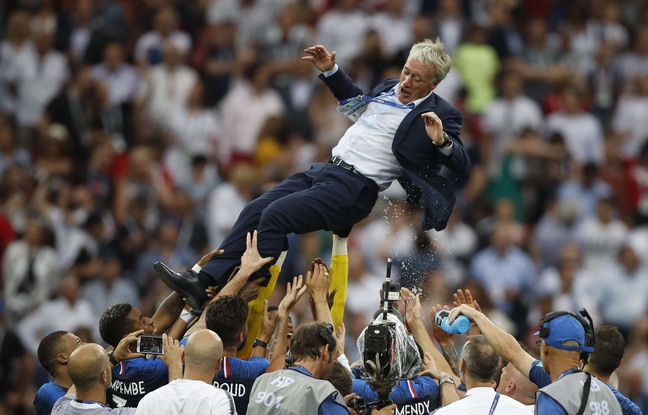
447,379
111,358
446,141
259,342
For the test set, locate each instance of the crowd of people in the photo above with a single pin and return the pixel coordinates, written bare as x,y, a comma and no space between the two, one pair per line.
133,132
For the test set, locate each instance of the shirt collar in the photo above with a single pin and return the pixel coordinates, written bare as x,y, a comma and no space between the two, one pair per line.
481,390
396,88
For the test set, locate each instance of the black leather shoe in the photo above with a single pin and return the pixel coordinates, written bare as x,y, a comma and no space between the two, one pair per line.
184,283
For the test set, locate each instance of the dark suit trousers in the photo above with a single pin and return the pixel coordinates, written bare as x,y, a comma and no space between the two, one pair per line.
325,197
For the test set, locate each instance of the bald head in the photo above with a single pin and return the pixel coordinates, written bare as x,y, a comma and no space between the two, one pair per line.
203,350
86,365
514,384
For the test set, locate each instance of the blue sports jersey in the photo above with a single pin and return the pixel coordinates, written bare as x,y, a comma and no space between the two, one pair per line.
134,378
418,395
237,376
541,378
46,397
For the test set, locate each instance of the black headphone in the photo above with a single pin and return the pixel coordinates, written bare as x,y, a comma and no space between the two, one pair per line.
588,326
327,335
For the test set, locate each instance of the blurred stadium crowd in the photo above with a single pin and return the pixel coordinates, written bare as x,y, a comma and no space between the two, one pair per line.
134,131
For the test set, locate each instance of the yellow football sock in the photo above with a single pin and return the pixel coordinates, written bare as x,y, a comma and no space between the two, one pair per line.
339,277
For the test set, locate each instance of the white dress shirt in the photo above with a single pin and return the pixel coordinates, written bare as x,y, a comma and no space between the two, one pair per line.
367,144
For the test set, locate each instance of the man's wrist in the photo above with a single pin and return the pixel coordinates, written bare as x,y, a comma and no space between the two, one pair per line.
320,299
447,379
445,143
111,357
331,71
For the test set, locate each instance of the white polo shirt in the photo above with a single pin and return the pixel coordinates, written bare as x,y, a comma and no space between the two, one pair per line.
184,396
478,401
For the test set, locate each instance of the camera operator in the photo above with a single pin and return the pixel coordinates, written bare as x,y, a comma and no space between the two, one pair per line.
300,389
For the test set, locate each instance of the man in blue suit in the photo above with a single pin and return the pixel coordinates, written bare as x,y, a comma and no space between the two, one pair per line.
403,131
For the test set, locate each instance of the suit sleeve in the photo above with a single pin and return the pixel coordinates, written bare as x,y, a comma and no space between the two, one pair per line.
341,85
458,161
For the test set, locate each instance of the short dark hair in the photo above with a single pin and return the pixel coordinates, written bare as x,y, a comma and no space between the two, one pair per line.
307,341
49,348
340,377
112,324
227,317
608,350
482,362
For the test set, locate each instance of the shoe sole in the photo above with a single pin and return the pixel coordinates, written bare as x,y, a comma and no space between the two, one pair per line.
188,298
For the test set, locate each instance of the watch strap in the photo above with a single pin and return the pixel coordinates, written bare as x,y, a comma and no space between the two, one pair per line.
447,379
259,342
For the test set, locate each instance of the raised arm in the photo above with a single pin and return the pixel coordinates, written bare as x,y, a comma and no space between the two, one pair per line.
279,342
318,283
251,261
504,344
338,82
417,328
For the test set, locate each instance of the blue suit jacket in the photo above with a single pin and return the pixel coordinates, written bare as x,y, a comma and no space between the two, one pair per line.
420,158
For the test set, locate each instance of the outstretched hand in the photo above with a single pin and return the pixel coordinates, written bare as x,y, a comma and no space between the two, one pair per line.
320,57
318,282
251,260
294,292
413,309
465,297
433,127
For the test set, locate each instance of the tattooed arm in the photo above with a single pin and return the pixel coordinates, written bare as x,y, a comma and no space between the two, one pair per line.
451,356
267,329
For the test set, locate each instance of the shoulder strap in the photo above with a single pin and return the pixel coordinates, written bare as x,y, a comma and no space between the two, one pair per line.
586,392
494,404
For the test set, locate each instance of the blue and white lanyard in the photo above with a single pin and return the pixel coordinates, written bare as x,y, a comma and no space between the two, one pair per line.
381,100
494,404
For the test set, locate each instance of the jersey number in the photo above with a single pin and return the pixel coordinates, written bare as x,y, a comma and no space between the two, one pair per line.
599,408
268,399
